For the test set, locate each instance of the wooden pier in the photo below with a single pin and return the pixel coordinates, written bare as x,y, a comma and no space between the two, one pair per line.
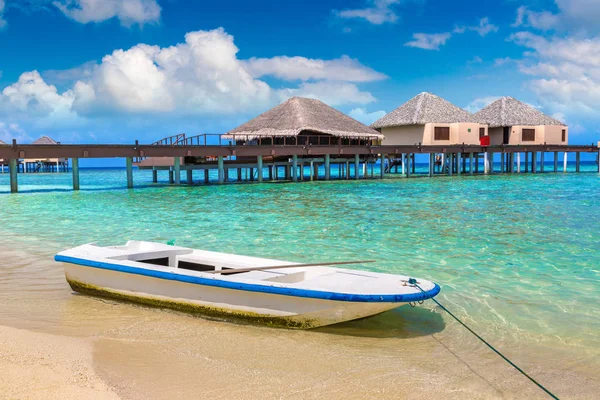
290,161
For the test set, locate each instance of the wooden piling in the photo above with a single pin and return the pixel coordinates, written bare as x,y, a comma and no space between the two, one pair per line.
414,164
239,174
327,167
177,170
431,163
129,167
206,176
259,167
458,163
382,160
565,157
75,164
556,161
190,177
221,172
295,168
154,175
12,169
356,166
577,161
534,162
542,161
486,163
518,162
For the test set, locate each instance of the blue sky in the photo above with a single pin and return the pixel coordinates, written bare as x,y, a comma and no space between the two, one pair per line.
119,70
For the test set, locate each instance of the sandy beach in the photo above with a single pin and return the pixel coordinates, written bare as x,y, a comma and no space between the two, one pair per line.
43,366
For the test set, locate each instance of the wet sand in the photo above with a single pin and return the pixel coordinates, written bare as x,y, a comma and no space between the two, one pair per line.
73,346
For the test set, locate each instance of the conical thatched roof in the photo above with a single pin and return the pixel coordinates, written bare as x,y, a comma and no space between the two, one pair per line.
45,140
422,109
300,114
507,111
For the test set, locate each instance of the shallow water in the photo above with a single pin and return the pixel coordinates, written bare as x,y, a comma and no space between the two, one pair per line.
516,256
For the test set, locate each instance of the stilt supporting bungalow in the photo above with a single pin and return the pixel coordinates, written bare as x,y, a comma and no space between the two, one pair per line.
518,162
129,167
171,176
534,162
577,162
356,166
295,168
154,175
542,161
556,161
382,160
471,163
486,163
190,177
12,166
565,156
177,170
458,163
431,164
221,177
259,166
327,167
75,167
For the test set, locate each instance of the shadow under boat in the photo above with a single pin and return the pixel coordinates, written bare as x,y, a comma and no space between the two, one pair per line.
404,322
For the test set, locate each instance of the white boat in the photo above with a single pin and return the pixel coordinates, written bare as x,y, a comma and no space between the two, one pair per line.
202,282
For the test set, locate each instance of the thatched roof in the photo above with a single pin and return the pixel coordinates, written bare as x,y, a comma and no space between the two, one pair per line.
422,109
45,140
300,114
507,111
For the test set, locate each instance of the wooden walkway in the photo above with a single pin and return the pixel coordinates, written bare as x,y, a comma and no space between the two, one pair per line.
457,159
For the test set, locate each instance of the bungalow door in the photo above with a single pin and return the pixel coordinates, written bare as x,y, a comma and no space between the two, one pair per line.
506,135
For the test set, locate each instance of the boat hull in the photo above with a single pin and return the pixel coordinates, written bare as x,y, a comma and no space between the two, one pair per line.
265,308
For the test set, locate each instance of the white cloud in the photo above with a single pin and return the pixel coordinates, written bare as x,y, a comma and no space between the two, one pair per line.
10,131
543,20
480,103
475,60
433,41
332,93
201,76
580,13
502,61
32,97
367,118
302,68
427,41
2,20
484,27
128,12
566,72
378,12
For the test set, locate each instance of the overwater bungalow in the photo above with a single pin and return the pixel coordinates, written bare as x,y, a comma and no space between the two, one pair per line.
47,164
301,120
429,120
513,122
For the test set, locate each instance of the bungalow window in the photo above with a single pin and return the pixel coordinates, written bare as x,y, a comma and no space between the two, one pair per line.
564,135
528,135
441,133
481,132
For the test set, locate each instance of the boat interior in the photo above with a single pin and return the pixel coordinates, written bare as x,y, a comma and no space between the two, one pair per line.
157,254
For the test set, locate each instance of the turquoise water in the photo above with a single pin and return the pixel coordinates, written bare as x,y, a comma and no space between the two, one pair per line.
516,255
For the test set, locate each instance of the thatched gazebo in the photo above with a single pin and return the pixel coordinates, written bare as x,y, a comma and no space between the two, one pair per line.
301,120
513,122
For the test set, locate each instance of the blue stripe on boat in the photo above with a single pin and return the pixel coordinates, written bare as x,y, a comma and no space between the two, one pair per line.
252,287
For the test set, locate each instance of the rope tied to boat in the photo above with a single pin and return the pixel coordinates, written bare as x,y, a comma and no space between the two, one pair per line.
413,281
